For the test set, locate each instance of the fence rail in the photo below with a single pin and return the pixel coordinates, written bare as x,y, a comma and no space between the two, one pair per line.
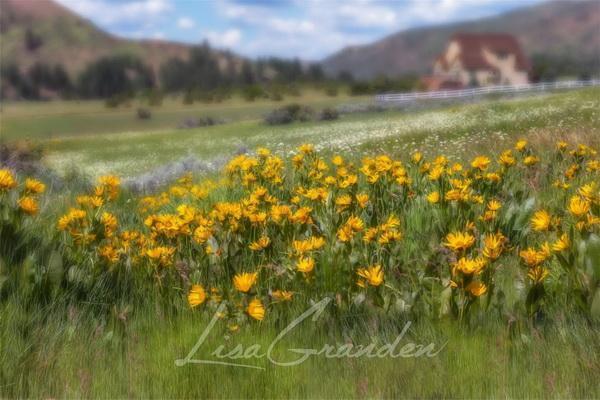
448,94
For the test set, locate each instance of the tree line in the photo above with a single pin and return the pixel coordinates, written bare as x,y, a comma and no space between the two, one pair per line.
200,77
122,75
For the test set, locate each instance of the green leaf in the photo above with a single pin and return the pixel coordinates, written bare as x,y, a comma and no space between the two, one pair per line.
595,308
445,298
55,268
592,256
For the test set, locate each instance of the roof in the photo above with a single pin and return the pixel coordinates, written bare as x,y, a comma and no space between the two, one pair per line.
472,45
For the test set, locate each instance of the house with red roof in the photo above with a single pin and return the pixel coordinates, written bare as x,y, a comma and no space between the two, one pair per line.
479,59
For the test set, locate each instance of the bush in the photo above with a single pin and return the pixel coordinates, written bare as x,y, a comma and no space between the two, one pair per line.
331,91
279,116
294,90
155,98
188,97
117,100
276,96
112,102
190,123
289,114
253,92
360,88
329,114
144,113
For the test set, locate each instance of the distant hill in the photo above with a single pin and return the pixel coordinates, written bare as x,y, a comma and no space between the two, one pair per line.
42,30
569,29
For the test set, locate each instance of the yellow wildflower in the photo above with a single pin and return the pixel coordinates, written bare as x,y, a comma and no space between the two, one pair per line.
372,275
33,186
493,244
541,221
282,295
469,266
7,180
481,163
244,281
562,243
305,264
262,243
476,288
537,274
343,202
196,296
109,253
306,148
507,159
493,205
433,197
256,310
578,206
362,199
417,157
521,145
530,160
459,241
28,205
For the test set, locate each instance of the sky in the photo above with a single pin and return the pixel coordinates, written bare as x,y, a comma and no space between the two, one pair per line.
307,29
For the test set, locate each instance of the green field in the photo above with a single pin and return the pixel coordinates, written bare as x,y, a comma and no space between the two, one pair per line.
56,119
79,356
95,332
456,129
86,135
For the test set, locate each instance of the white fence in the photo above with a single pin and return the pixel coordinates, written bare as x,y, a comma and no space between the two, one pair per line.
448,94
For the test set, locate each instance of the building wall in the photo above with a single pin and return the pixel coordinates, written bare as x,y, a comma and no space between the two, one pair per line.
509,75
504,72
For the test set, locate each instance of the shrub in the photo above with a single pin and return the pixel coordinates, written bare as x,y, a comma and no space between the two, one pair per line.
112,102
188,97
155,98
289,114
116,100
331,91
252,92
329,114
275,96
144,113
294,90
360,88
190,123
279,116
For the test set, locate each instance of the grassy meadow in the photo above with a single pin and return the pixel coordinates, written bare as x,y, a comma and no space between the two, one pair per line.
114,141
56,119
472,228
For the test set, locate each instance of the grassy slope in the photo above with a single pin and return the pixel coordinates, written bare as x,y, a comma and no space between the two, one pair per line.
79,356
465,129
47,353
42,121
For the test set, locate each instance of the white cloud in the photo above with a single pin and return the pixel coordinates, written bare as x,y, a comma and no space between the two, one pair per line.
312,29
185,23
366,14
309,29
109,13
228,38
290,26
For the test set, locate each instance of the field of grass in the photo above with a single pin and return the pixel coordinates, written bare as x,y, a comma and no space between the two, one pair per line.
456,129
101,302
77,356
45,121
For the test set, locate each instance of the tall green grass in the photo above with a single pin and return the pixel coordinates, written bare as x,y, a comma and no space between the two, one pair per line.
70,352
